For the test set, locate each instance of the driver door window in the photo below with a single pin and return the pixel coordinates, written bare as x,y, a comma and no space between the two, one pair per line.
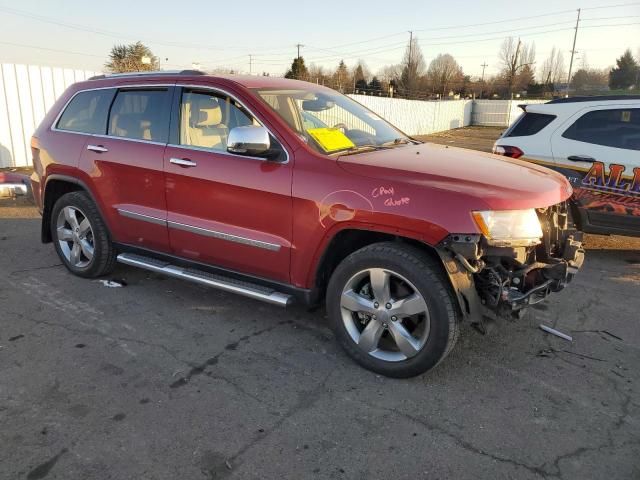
207,118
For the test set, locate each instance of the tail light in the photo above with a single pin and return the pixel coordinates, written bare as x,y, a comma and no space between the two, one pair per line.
508,151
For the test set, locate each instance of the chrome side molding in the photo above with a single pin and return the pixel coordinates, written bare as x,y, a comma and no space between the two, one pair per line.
274,247
224,236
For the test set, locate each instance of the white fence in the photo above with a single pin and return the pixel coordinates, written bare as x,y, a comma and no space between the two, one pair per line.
28,91
498,113
417,117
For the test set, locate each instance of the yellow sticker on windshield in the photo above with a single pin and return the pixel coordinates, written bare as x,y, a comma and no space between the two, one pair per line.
330,139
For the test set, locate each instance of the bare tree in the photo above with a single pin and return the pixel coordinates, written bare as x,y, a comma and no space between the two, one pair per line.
317,74
444,71
412,67
390,73
514,56
553,69
590,80
340,77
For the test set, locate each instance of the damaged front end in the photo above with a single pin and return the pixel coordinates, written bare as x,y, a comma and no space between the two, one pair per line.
496,278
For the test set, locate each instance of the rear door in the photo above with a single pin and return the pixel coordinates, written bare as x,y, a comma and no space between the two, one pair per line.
598,149
126,166
225,209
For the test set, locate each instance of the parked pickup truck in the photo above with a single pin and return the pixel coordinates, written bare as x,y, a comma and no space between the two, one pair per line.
282,191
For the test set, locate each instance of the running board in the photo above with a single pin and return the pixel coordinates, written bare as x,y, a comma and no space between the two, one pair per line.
251,290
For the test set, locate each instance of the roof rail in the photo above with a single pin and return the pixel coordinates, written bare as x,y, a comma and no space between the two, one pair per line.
144,74
594,98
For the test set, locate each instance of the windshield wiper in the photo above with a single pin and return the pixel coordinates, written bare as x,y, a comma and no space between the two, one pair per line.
396,141
371,146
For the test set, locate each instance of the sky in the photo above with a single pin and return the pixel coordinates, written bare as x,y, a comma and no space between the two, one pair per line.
80,33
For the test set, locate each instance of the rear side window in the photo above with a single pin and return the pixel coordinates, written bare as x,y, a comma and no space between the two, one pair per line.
529,124
618,128
141,115
87,112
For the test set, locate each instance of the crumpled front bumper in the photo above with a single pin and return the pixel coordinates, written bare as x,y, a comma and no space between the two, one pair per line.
545,278
494,281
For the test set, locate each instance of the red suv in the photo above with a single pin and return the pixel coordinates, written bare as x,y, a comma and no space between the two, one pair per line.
282,190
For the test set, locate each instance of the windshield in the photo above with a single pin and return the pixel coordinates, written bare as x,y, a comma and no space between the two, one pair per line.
331,122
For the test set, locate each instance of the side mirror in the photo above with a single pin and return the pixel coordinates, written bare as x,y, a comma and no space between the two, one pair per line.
250,140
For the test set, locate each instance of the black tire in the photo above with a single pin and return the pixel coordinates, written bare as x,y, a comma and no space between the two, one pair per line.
104,254
429,280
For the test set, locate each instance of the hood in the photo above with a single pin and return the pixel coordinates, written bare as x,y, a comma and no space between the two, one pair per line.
496,182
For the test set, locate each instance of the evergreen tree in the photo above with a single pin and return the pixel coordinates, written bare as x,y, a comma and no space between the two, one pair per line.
374,85
625,75
298,70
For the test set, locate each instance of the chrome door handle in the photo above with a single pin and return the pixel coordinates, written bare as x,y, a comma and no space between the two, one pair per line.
183,162
97,148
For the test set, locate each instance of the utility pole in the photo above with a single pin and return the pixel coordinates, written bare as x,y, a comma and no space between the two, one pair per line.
250,63
484,65
299,45
409,71
573,51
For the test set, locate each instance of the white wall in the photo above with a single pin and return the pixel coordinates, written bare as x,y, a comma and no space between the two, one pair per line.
418,117
27,92
499,113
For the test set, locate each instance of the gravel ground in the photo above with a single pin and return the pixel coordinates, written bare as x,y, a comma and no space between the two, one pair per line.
161,379
475,138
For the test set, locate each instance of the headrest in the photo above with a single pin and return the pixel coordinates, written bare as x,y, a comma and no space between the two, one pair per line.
205,111
210,117
131,124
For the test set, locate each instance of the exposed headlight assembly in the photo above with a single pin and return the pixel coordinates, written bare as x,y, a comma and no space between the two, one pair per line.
509,228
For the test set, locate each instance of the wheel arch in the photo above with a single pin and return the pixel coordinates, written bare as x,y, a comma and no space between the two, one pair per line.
348,240
55,187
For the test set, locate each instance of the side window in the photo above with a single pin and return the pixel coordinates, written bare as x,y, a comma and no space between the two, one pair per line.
529,124
618,128
87,112
206,119
141,115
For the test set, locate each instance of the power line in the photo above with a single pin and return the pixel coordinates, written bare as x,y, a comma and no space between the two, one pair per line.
108,33
475,37
613,6
50,49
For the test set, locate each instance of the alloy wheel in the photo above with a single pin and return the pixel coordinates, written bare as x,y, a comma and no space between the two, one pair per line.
75,236
385,314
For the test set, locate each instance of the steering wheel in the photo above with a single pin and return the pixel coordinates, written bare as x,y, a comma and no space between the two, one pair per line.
341,126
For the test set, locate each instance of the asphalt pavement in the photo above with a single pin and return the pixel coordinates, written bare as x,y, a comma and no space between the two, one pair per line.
163,379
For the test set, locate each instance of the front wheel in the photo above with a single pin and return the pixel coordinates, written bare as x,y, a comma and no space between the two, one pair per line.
392,309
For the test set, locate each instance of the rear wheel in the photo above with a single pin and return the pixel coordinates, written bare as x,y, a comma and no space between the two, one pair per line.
392,309
81,237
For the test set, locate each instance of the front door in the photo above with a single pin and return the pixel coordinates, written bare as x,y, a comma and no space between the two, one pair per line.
598,149
224,209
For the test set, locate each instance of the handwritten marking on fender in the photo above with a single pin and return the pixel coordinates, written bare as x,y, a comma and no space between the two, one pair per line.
390,200
342,198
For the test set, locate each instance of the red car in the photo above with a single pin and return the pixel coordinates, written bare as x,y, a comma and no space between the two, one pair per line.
282,190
